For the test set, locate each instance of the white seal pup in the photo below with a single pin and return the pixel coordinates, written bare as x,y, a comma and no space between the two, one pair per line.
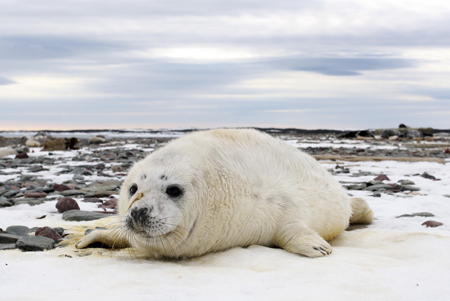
214,190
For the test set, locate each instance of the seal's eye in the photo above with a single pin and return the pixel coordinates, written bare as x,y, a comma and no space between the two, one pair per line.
174,191
133,189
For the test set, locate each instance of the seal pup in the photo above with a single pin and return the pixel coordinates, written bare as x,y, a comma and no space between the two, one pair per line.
218,189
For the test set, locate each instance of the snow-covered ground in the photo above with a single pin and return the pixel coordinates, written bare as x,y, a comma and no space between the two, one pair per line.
391,259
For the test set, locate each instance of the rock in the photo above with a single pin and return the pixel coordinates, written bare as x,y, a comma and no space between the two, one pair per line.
428,176
35,195
7,247
79,215
377,195
22,156
388,133
5,203
32,143
110,204
422,214
72,192
432,224
48,232
60,144
61,187
381,177
378,187
59,230
6,238
18,230
10,193
356,186
66,204
28,201
100,194
35,243
92,200
409,187
96,140
117,168
406,182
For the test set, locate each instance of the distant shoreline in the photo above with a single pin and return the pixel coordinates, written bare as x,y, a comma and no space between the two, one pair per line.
170,132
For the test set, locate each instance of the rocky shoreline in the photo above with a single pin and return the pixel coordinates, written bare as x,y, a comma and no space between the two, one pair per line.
94,171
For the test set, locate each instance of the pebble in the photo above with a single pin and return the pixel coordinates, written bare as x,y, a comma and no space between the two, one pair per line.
31,202
72,192
35,243
61,187
422,214
92,200
48,232
18,230
35,195
66,204
432,224
80,215
6,238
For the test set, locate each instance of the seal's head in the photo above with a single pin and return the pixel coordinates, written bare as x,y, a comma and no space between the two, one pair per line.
155,201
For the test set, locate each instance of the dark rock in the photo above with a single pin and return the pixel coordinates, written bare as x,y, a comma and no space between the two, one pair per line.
72,192
432,224
117,168
31,202
6,238
356,186
66,204
35,195
61,187
7,247
422,214
35,243
378,187
428,176
110,204
100,194
376,195
48,232
92,200
412,134
21,156
79,215
60,144
18,230
10,193
59,230
5,203
406,182
386,134
410,188
381,177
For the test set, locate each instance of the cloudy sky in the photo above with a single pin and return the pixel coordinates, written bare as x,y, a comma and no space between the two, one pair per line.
347,64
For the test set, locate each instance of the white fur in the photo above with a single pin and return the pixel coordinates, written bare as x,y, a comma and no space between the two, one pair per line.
32,143
241,187
6,151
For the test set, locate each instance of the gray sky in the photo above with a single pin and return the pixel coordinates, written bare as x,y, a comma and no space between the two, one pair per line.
156,64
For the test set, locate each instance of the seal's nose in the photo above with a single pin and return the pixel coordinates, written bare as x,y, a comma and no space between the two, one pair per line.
139,215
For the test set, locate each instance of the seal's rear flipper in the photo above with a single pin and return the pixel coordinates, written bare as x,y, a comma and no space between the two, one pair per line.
362,214
112,238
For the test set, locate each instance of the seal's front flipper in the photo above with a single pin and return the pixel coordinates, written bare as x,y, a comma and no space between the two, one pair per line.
112,238
302,240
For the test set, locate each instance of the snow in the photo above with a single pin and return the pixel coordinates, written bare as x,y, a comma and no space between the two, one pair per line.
391,259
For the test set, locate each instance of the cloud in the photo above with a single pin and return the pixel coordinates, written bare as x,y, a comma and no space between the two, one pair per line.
6,81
